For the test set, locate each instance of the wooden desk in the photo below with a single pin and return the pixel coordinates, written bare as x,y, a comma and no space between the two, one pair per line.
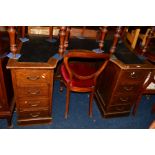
6,92
119,86
33,88
33,83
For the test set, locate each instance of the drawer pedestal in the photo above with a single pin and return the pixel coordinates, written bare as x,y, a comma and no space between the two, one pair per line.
33,88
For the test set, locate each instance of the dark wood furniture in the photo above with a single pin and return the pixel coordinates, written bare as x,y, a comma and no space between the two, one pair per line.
33,86
6,90
121,82
148,86
81,76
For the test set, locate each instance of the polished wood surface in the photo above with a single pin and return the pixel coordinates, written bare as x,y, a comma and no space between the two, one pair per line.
116,38
117,85
33,88
7,103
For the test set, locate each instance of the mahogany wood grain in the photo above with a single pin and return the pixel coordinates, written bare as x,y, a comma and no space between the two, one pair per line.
62,40
13,48
102,37
116,38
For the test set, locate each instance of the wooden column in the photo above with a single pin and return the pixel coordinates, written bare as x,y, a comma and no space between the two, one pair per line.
51,32
102,37
13,49
0,41
23,31
83,31
67,38
62,40
150,35
116,37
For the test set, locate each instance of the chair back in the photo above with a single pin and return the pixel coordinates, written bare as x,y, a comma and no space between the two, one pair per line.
85,54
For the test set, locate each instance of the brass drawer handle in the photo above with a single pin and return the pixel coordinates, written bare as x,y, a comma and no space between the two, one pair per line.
128,88
34,92
34,103
133,75
123,99
35,115
0,106
33,78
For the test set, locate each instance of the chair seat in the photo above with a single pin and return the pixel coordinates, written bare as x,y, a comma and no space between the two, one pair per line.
81,69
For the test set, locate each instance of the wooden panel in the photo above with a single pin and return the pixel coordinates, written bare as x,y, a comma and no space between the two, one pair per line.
123,99
119,108
128,88
33,91
32,76
133,75
34,114
37,103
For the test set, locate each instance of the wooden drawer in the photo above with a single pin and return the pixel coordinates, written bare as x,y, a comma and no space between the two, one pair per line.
123,99
34,114
127,88
32,76
119,108
33,91
29,104
133,76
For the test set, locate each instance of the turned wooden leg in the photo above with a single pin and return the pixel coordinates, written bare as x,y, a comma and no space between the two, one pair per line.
91,104
23,31
61,86
67,103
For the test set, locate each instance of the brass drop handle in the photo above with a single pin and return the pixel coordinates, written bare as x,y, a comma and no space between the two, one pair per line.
33,78
35,115
123,99
34,92
128,88
34,103
0,106
133,75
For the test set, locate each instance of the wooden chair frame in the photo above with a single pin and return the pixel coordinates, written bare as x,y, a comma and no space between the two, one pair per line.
83,54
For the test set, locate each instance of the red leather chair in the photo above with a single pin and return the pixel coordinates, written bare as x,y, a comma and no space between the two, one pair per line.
80,76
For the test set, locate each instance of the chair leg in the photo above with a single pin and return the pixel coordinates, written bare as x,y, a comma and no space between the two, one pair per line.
91,104
61,86
67,103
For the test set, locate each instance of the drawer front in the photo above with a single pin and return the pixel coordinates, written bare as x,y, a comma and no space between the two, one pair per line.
29,104
34,114
32,76
119,108
128,88
35,91
123,99
133,75
3,106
